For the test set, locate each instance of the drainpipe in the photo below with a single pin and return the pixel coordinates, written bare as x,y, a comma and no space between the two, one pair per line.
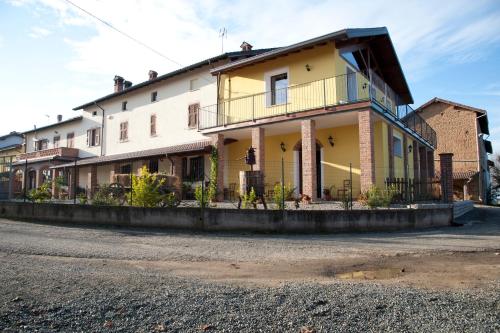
102,128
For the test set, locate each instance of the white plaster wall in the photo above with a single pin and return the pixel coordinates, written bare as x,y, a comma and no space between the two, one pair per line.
171,109
82,176
80,141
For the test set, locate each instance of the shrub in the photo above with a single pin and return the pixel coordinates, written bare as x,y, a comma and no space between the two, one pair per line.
169,200
82,199
201,195
40,194
104,197
278,196
146,189
375,197
249,199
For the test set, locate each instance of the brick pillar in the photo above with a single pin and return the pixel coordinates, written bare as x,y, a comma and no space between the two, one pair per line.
39,178
390,142
405,156
218,143
430,163
72,186
366,149
258,144
416,162
91,181
446,168
309,181
176,171
55,190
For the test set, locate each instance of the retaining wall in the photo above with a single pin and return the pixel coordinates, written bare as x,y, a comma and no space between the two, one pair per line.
462,207
299,221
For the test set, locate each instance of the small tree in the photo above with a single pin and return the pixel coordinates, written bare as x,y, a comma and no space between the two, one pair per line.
104,197
146,189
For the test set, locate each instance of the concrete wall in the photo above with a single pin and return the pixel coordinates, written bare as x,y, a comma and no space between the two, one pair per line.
232,219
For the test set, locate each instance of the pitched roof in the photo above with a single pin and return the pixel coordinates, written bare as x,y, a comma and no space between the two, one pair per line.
482,118
177,149
378,39
227,55
67,121
14,133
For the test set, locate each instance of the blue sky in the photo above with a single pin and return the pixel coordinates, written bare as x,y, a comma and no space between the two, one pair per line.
53,57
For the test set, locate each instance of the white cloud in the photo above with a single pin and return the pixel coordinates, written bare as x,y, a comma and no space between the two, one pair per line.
39,32
455,31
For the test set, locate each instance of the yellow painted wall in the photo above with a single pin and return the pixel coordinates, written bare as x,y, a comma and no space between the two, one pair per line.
335,160
381,153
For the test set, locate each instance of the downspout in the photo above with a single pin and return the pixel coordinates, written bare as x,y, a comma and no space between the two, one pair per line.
218,98
102,128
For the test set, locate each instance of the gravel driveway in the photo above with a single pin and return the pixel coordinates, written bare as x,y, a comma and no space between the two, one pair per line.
80,279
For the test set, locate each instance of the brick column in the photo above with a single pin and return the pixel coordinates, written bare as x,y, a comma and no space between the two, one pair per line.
218,143
55,190
405,156
366,149
446,168
39,178
309,185
390,142
91,181
430,163
416,162
258,144
72,186
176,171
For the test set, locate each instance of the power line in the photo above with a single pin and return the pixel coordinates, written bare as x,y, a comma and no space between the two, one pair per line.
124,33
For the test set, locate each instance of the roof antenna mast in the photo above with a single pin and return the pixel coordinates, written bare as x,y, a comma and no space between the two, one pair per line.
222,35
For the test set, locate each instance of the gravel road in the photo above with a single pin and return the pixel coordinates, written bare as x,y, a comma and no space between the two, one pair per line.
60,279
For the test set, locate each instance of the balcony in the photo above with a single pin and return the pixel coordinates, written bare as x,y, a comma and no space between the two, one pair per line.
323,94
61,152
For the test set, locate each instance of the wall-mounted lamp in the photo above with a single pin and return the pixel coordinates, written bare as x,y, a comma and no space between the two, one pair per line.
330,141
410,148
282,146
308,68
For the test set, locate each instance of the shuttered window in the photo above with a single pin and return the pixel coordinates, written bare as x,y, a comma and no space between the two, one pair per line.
93,137
193,115
124,131
57,139
152,130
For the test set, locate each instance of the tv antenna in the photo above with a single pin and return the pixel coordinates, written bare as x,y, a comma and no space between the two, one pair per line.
222,35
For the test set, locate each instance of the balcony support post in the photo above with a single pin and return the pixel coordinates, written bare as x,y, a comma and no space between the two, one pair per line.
218,143
309,185
258,134
366,149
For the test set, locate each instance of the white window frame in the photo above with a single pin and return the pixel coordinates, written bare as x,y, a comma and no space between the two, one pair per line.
267,82
400,145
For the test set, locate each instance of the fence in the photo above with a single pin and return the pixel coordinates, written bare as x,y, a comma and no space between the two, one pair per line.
328,92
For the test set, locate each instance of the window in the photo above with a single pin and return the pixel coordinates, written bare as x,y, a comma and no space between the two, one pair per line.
196,165
126,169
93,137
193,115
124,105
153,166
41,144
94,113
57,140
279,85
154,96
397,146
194,84
124,131
70,140
184,168
152,124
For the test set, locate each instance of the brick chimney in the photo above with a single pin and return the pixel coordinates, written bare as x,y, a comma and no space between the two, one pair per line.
59,118
153,74
127,84
246,46
118,83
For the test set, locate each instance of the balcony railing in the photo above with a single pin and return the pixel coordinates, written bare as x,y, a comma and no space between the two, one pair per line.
61,152
334,91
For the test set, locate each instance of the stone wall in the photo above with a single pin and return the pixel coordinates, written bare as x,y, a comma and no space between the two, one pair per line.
292,221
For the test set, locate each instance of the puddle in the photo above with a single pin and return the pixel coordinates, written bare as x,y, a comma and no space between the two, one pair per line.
379,274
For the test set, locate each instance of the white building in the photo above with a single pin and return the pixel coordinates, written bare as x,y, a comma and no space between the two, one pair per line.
153,123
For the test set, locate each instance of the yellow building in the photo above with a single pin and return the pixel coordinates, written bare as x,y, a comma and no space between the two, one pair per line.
335,108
